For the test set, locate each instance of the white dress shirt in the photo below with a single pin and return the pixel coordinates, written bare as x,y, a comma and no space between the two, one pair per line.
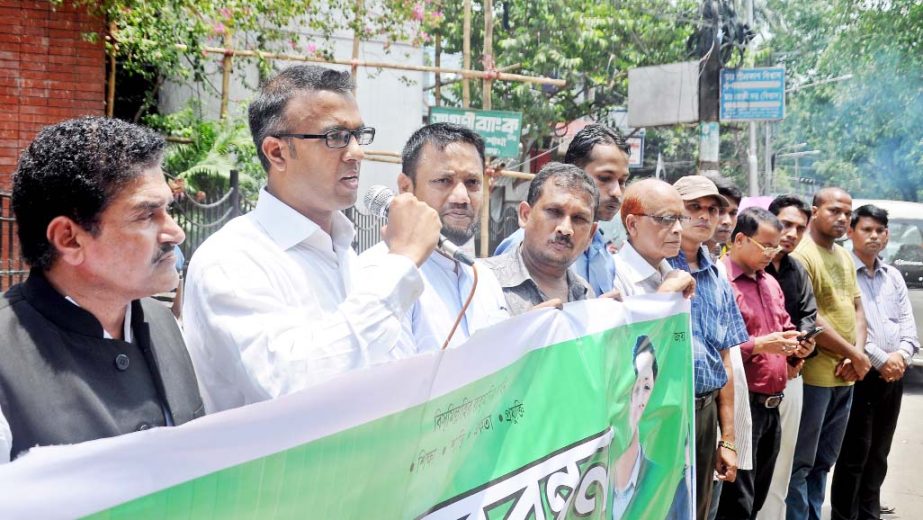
743,419
447,284
634,275
275,305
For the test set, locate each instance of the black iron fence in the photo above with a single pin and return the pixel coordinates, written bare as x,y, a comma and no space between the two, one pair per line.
12,269
199,219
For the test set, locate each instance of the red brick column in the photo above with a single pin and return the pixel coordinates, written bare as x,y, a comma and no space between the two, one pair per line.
48,73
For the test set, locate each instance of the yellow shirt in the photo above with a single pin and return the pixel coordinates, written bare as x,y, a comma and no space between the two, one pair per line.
833,276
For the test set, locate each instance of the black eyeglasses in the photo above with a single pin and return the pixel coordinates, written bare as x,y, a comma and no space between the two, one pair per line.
665,220
338,138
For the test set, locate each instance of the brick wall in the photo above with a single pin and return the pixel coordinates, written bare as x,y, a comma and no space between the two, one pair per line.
48,73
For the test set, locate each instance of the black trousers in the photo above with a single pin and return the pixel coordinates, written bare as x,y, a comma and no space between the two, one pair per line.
863,461
706,442
744,497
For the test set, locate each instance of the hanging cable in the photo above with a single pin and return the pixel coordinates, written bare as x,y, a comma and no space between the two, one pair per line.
461,314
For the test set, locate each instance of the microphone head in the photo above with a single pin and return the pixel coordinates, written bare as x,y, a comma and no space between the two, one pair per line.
378,199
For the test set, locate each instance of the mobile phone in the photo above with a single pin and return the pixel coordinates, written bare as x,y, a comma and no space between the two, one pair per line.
810,334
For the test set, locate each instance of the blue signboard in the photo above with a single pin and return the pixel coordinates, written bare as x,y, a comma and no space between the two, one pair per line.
753,94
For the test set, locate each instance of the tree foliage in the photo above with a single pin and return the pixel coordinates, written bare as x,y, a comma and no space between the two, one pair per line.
590,44
868,128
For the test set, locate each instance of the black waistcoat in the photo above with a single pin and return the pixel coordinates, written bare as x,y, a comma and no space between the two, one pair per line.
62,383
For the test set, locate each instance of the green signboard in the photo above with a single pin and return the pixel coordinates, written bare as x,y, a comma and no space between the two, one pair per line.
501,130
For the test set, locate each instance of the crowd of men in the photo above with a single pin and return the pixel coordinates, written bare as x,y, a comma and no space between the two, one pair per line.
277,300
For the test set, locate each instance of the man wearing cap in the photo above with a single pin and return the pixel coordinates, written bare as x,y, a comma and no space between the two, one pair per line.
716,326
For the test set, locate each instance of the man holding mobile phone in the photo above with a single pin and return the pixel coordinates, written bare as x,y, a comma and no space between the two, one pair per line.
794,214
772,339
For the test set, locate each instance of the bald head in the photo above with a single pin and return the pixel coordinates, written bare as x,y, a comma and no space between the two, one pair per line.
650,212
646,195
828,194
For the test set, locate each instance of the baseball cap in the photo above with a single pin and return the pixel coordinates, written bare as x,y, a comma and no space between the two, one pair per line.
692,187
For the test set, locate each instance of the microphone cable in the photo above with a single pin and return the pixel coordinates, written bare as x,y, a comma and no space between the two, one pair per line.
464,308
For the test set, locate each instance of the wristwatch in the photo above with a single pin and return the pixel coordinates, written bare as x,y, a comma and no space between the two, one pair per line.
906,357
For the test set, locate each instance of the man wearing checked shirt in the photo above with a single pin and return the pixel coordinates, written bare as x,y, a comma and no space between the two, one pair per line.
716,326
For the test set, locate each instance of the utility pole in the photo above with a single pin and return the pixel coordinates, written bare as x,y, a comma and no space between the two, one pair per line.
709,129
752,163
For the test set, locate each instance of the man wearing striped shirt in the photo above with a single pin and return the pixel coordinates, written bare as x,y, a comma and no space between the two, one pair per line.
892,341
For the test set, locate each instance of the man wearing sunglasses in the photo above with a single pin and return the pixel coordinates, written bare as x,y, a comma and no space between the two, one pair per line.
277,301
773,338
716,327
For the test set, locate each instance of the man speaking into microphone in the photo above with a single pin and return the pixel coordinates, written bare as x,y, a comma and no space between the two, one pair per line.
276,299
443,166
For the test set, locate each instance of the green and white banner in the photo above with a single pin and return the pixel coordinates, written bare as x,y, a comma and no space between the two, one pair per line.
585,412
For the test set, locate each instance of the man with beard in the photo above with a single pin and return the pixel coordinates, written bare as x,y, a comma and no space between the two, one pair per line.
557,223
716,327
892,341
276,299
841,358
443,166
794,214
603,154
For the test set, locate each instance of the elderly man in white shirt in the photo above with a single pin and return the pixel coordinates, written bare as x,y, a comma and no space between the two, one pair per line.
443,166
276,300
652,213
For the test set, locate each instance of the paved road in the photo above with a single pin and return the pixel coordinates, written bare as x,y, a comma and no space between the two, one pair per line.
903,487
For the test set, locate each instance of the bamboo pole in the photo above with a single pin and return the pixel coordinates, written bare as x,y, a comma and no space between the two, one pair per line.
226,65
473,74
486,105
505,68
354,70
466,55
110,93
438,63
486,101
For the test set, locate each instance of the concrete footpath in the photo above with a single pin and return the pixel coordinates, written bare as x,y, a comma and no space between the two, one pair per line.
903,488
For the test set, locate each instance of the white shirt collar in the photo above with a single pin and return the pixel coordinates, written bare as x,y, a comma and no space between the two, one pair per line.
636,268
288,228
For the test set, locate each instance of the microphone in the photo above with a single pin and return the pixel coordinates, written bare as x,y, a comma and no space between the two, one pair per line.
378,201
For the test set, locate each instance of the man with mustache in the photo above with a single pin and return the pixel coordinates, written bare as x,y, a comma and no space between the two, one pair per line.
892,341
443,166
557,220
86,354
603,154
276,299
841,358
716,327
793,213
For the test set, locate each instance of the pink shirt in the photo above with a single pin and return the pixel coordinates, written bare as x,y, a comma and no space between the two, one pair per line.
762,306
